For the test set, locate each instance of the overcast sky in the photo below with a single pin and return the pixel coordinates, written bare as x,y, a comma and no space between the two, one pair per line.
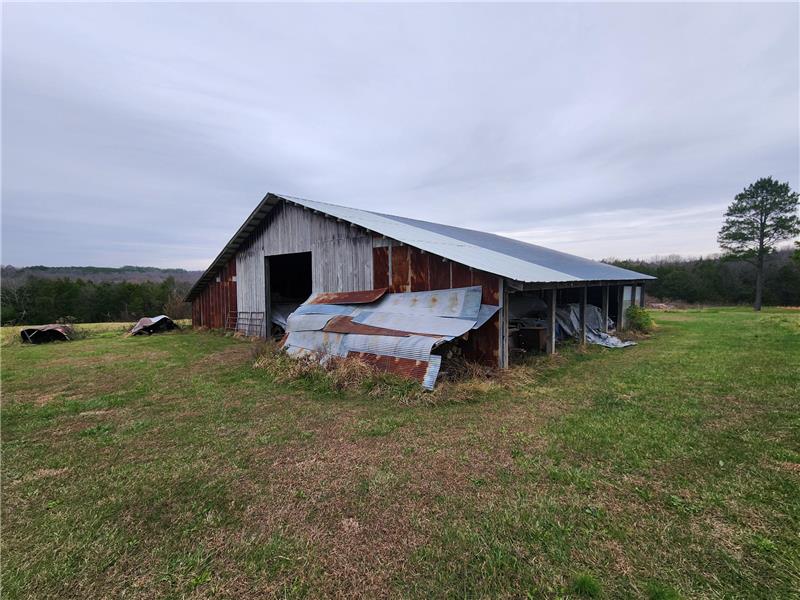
145,134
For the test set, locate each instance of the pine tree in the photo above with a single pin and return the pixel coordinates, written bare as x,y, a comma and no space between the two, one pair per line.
762,215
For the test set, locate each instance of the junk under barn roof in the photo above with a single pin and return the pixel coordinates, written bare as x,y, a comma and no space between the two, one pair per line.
290,248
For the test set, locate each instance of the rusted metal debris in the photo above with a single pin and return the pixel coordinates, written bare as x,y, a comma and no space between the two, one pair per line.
405,367
345,324
151,325
396,332
361,297
47,333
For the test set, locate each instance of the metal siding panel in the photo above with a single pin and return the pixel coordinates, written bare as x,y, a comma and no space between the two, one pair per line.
490,284
439,269
482,345
400,269
380,267
419,267
461,275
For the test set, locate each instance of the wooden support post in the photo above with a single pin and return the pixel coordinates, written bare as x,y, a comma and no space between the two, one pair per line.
584,297
503,315
604,324
620,312
641,295
551,322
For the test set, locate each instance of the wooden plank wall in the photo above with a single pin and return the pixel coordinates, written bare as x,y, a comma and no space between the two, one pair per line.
341,255
407,269
210,308
342,265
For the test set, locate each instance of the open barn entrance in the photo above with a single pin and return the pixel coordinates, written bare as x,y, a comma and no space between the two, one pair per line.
288,283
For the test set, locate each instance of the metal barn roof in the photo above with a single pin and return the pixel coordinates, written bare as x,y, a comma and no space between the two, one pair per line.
485,251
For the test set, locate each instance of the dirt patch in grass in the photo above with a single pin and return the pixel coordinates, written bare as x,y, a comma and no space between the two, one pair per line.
94,413
232,355
789,467
41,474
46,399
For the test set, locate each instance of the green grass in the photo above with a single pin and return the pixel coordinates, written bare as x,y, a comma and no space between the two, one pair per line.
167,466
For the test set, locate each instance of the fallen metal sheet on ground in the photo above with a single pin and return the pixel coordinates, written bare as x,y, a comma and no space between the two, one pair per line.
150,325
393,332
568,319
47,333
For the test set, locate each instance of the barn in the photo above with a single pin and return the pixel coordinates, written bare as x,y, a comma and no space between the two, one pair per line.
290,248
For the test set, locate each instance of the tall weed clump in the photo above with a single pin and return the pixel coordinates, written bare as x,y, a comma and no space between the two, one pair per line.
639,319
462,381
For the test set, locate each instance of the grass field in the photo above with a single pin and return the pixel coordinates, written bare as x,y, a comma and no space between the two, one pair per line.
167,466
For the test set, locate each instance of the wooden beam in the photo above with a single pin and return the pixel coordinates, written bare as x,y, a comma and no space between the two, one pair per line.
620,312
604,316
584,298
641,295
503,355
532,286
551,321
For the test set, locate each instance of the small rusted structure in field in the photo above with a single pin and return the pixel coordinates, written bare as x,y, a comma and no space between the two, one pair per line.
289,249
43,334
151,325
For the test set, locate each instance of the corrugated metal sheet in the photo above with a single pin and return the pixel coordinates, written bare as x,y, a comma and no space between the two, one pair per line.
397,332
424,324
345,324
488,252
423,371
302,322
360,297
457,303
486,312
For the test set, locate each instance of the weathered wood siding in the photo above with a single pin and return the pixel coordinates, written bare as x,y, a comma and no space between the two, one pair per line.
341,255
342,265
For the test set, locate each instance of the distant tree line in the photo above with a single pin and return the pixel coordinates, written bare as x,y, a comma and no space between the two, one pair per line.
720,280
100,274
39,300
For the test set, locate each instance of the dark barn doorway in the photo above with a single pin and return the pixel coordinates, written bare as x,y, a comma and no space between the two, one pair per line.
288,283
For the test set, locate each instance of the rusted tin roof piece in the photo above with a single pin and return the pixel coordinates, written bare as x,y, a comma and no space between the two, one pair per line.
394,332
362,297
150,325
42,334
